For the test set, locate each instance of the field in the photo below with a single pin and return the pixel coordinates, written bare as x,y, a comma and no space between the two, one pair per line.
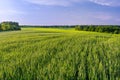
59,54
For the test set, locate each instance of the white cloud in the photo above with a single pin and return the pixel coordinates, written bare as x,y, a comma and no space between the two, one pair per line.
118,20
7,8
102,16
54,2
107,2
70,2
10,12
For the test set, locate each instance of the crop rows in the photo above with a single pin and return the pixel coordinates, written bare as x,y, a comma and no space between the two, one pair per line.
65,55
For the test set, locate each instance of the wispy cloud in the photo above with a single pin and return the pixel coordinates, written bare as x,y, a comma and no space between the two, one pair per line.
7,8
102,16
11,12
80,11
113,3
54,2
118,20
70,2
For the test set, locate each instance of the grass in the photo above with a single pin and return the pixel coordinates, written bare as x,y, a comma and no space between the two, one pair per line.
58,54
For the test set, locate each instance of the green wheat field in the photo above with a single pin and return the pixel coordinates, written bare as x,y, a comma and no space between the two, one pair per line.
59,54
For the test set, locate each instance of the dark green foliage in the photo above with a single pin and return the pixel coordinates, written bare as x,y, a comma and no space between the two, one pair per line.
7,26
0,28
48,26
99,28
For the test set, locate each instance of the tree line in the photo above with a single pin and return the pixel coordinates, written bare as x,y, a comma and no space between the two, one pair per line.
9,26
48,26
99,28
96,28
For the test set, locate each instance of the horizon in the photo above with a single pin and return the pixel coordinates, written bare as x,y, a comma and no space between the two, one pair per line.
63,12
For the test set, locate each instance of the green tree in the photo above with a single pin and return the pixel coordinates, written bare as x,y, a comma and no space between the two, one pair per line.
6,26
0,27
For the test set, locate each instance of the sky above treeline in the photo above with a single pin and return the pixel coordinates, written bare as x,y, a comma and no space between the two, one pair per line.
61,12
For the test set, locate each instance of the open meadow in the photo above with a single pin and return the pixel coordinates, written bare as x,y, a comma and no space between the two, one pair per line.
59,54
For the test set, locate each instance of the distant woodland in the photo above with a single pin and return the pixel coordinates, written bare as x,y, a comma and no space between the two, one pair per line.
115,29
12,26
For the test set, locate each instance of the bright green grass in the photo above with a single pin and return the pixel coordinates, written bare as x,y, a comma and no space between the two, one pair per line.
58,54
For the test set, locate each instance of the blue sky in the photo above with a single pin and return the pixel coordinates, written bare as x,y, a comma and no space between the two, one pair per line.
60,12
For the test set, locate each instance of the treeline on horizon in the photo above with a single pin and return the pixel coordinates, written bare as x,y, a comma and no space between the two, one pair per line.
48,26
115,29
9,26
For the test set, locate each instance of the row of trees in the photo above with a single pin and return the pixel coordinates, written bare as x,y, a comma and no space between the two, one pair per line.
99,28
7,26
49,26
